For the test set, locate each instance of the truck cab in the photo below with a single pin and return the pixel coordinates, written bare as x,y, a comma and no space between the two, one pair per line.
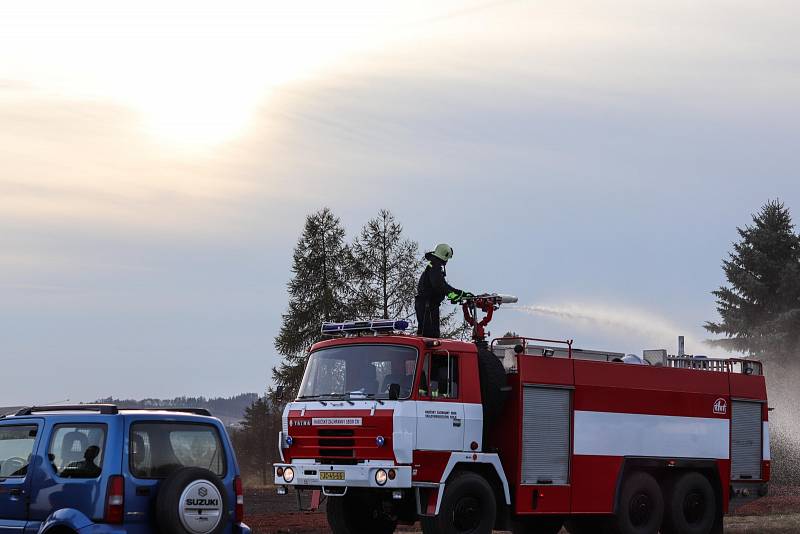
380,420
370,400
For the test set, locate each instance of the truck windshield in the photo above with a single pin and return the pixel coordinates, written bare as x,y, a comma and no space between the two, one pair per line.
359,371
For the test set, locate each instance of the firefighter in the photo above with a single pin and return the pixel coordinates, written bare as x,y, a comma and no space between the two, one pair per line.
432,290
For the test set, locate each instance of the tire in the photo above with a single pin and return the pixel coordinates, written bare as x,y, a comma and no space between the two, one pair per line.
208,514
468,507
493,384
358,512
537,525
640,509
691,505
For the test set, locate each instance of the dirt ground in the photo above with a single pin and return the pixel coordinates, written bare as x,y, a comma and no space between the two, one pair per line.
268,513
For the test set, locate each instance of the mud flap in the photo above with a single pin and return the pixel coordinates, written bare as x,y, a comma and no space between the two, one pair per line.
426,501
315,500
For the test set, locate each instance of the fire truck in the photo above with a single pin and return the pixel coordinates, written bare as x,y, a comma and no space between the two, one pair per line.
521,434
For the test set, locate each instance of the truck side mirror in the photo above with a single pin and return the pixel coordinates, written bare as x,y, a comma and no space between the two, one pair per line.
394,391
279,390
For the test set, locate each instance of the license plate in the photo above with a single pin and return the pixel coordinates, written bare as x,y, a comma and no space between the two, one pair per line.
331,475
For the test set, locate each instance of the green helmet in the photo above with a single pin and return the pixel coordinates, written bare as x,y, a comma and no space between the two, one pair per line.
443,251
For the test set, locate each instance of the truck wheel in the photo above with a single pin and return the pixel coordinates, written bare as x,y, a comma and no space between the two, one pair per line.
640,509
537,525
192,500
691,505
493,382
358,512
468,507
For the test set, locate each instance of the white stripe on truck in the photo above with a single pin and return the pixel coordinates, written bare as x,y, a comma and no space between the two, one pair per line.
627,434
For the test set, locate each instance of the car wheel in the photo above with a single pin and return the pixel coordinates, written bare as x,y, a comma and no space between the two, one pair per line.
691,505
192,501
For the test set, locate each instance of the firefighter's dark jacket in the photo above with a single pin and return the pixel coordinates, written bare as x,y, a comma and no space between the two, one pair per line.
432,285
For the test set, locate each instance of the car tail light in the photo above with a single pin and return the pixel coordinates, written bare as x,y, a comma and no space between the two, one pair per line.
115,500
239,492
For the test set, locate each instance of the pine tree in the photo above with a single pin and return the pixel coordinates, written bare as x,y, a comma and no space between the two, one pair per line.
760,309
453,325
386,267
259,427
319,291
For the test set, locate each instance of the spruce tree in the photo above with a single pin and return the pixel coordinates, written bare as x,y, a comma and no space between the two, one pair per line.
260,425
386,268
760,309
319,291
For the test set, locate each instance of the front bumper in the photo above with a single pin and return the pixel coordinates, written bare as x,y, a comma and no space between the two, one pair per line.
356,476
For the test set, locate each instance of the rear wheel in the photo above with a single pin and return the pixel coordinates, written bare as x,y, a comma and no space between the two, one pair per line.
537,525
691,505
358,512
640,509
468,507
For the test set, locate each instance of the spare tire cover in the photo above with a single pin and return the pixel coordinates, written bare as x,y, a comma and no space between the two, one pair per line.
193,501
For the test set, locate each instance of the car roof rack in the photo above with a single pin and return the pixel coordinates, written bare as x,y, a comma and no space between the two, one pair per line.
105,409
195,411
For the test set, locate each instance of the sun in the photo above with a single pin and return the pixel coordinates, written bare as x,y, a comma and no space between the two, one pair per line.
195,73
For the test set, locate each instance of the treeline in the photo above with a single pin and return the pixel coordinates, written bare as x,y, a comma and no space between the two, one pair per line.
231,410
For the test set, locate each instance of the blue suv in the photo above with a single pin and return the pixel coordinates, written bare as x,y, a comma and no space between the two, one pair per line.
99,469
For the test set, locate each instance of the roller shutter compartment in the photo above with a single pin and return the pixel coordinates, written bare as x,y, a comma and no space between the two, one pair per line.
545,435
746,428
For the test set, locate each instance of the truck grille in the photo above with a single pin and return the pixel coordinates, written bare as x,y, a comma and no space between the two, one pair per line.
330,444
337,446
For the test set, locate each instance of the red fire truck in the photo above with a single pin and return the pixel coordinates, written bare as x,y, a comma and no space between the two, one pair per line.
522,434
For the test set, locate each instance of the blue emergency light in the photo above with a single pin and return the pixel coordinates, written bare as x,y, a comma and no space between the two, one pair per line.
356,327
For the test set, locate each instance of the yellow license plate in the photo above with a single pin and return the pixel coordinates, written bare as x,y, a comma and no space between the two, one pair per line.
331,475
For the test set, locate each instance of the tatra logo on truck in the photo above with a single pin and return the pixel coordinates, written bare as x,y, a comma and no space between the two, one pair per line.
720,406
336,421
300,422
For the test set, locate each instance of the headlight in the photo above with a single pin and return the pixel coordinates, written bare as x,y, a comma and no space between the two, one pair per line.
289,441
381,477
288,475
379,441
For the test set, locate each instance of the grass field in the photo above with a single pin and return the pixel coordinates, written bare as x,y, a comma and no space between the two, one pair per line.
269,513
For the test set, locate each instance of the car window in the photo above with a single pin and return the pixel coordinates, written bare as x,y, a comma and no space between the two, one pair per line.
157,449
76,451
443,377
16,449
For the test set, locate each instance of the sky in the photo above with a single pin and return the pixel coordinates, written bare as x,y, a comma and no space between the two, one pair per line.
158,159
